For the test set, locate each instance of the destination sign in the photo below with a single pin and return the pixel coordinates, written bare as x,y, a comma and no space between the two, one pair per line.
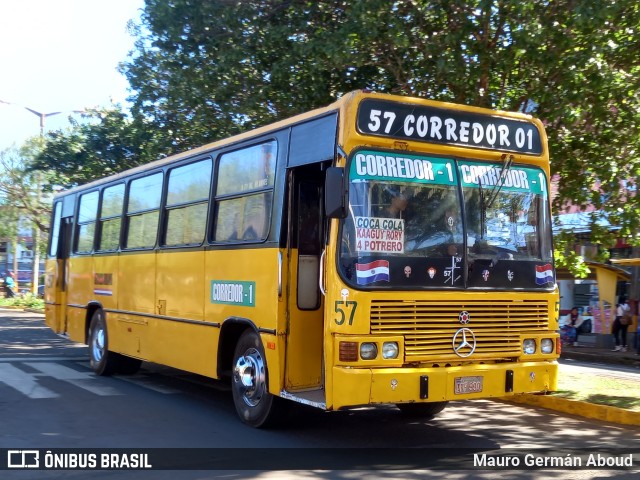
451,127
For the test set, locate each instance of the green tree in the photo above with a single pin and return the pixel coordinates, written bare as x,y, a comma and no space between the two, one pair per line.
22,200
106,142
202,71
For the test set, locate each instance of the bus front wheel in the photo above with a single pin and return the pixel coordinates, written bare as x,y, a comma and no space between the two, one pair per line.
253,402
422,410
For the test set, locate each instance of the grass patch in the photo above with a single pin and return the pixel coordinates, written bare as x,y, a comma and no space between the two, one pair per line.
23,301
600,390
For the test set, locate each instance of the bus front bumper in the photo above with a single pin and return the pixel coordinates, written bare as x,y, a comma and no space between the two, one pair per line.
363,386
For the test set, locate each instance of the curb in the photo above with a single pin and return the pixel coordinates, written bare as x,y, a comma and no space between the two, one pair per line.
575,407
21,309
627,358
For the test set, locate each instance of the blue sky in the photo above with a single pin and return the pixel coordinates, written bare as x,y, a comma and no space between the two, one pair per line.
60,55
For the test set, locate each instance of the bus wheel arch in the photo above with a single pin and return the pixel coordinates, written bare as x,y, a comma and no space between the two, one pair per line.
230,333
91,310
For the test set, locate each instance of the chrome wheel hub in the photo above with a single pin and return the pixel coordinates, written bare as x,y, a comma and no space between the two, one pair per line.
97,345
249,377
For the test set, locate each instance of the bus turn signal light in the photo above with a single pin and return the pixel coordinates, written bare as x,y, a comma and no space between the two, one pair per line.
348,351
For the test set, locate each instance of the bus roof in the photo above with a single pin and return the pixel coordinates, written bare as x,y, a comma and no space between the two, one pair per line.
351,98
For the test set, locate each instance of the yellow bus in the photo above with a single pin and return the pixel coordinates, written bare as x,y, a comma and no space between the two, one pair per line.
380,250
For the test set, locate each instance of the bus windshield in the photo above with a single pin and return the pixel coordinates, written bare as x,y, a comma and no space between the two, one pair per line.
418,221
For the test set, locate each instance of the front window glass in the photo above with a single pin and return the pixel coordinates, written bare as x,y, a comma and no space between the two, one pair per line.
420,221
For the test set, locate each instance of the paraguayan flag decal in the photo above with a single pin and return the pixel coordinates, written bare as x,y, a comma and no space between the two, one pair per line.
544,274
377,271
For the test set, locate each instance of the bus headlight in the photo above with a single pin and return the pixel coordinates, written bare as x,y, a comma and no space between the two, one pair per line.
546,345
529,346
390,350
368,351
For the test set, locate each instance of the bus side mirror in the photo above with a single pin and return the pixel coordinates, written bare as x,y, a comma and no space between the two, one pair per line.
335,193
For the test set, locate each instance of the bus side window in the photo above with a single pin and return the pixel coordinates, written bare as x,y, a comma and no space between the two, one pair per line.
187,203
87,214
244,193
143,211
110,217
309,243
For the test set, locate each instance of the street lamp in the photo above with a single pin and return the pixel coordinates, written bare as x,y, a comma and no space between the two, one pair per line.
42,116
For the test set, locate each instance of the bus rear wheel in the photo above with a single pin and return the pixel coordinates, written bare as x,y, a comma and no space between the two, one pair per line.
251,397
422,410
102,361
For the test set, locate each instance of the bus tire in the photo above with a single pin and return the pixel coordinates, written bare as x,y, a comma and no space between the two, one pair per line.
422,410
255,405
103,362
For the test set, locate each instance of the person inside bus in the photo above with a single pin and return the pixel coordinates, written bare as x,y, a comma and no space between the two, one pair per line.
398,205
9,284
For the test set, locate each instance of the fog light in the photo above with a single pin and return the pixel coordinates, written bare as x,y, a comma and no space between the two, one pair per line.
368,351
529,346
546,345
348,351
389,350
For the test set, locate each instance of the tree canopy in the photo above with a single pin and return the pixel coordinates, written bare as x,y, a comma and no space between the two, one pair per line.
202,71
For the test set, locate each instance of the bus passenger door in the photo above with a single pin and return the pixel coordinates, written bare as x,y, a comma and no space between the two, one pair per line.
56,272
303,369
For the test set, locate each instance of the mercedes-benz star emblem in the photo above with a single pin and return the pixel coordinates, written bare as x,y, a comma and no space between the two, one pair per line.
464,342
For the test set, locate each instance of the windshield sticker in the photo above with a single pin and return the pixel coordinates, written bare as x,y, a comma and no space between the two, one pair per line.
512,179
450,275
379,235
372,272
377,166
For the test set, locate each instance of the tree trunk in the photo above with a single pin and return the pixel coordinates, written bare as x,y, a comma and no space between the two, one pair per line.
15,260
36,261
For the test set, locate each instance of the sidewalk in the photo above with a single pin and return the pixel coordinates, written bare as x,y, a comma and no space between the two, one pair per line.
601,355
585,409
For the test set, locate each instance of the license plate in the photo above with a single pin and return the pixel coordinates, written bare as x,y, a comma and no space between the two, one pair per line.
468,385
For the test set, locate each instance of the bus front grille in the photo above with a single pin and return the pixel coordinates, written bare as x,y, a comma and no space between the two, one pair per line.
429,326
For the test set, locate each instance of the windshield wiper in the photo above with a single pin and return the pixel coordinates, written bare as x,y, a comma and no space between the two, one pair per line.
500,183
483,208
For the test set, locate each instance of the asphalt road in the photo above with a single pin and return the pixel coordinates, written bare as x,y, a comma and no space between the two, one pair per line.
50,400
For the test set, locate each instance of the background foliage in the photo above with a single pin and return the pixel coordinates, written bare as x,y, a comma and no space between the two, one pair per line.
202,71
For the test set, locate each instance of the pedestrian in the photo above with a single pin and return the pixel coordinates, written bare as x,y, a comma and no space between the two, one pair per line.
569,328
9,284
620,325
